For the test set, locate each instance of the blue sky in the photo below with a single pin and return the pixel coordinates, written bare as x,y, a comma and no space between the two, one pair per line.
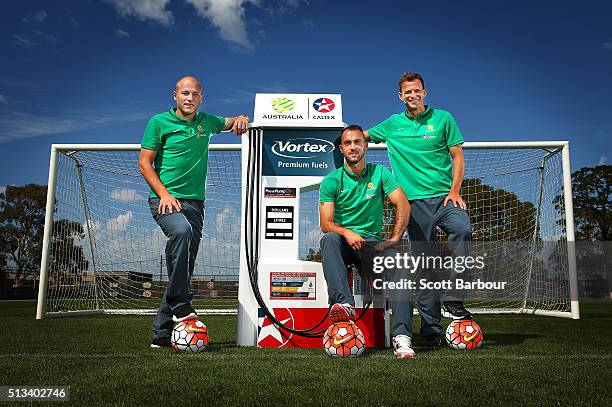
93,71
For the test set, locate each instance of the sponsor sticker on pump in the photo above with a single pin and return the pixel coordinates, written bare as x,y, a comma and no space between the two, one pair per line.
293,286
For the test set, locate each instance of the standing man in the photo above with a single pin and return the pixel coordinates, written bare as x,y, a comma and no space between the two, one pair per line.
176,142
421,142
351,216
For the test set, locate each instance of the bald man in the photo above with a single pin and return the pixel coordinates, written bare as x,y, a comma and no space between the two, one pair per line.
174,162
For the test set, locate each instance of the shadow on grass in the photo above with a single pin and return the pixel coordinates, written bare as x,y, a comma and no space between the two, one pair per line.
508,339
492,340
219,346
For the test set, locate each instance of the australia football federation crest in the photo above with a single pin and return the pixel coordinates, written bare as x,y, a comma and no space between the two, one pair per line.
371,192
200,129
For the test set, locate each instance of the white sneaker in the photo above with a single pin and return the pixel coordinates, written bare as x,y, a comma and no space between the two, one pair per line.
402,345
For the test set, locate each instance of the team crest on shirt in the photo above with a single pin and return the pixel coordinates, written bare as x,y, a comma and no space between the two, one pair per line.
371,192
200,129
430,127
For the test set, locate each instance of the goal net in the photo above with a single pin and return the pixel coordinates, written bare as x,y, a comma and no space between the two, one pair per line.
106,253
516,202
103,252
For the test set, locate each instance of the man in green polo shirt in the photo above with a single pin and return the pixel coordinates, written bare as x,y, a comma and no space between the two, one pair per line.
421,142
174,162
351,216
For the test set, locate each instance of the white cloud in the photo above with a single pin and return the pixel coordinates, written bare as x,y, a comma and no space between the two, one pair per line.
129,239
73,21
123,240
280,7
312,238
237,96
93,226
225,219
122,34
154,10
608,45
23,41
228,16
126,195
2,190
119,223
308,23
3,100
274,87
39,16
602,160
16,81
17,125
46,36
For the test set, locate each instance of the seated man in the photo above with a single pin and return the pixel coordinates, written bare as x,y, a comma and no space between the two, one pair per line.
351,216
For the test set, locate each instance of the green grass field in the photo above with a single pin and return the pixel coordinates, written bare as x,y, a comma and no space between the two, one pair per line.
106,360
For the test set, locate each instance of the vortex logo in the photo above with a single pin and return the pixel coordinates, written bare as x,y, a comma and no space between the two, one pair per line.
302,148
283,105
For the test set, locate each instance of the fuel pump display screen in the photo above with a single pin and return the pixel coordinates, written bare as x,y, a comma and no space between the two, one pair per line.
279,222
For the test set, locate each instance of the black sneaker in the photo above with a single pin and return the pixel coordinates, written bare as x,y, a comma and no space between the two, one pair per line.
161,343
455,310
184,313
433,341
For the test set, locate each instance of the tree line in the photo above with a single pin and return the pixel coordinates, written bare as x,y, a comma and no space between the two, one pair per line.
22,219
22,223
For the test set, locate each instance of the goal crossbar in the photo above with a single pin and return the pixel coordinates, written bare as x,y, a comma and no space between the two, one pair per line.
71,150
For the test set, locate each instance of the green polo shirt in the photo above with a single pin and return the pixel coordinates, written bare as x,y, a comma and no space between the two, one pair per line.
418,150
359,199
182,151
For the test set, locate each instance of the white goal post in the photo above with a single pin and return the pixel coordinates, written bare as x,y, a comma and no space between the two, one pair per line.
103,252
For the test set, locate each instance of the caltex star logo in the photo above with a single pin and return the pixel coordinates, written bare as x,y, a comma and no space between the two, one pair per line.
323,105
269,335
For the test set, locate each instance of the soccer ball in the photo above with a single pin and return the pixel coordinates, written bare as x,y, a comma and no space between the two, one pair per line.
343,339
190,336
464,334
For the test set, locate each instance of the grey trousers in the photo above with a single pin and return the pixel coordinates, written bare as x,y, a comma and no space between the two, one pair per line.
337,254
425,215
184,232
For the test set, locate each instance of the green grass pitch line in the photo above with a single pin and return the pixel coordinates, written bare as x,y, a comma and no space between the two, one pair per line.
526,360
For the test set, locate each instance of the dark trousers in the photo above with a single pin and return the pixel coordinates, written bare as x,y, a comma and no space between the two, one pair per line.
425,215
184,232
337,254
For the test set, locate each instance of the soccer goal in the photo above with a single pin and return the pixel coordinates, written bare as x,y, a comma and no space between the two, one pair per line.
519,202
103,252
